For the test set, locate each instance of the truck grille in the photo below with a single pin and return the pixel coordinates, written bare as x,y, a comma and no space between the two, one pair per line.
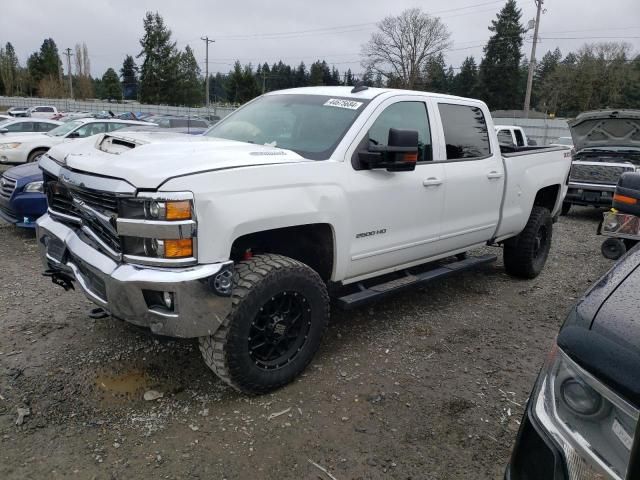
603,174
7,186
78,202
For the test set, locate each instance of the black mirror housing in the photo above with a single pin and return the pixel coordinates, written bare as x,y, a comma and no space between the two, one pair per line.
4,130
399,155
73,135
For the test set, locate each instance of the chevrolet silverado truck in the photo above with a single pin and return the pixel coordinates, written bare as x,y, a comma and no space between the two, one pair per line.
607,144
241,237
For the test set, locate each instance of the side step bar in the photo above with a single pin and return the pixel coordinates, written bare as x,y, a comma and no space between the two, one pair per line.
375,292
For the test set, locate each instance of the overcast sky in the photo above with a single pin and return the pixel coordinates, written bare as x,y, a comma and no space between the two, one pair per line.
304,31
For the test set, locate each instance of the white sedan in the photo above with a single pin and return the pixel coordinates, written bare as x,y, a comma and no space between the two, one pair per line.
12,125
28,147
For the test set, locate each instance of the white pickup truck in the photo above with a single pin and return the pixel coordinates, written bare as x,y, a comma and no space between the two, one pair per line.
242,236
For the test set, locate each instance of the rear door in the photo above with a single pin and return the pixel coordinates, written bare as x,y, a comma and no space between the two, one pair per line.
474,175
394,216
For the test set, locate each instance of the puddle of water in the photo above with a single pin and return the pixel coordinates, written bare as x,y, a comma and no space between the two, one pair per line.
130,385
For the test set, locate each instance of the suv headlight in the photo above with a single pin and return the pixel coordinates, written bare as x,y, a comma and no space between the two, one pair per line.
158,228
594,427
34,187
9,146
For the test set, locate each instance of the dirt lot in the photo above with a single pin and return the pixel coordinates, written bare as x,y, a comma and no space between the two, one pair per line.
430,384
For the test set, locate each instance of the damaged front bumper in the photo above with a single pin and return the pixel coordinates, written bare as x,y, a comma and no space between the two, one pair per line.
199,296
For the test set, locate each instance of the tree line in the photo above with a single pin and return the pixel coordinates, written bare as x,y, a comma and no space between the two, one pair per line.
405,51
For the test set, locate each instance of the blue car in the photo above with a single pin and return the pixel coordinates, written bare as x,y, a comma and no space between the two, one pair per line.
22,200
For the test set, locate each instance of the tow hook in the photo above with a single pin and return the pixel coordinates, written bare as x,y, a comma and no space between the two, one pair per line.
98,313
59,278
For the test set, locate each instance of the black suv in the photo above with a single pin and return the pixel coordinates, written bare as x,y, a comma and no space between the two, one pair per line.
582,416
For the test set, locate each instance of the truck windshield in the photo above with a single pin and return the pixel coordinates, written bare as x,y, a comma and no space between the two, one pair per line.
310,125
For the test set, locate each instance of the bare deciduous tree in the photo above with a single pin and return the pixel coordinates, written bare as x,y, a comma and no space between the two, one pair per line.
83,72
401,47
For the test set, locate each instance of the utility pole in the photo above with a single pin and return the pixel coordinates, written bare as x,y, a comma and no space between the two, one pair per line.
532,60
206,67
68,53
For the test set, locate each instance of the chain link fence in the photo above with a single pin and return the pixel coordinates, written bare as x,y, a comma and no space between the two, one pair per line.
69,105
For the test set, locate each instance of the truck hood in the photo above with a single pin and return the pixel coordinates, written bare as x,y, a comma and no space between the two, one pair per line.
606,128
148,159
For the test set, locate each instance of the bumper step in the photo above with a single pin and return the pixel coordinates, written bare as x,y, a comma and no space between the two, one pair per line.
442,270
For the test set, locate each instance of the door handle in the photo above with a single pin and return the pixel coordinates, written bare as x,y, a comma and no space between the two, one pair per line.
493,175
432,182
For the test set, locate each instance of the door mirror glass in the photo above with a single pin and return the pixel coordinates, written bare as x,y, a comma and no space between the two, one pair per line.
4,130
399,155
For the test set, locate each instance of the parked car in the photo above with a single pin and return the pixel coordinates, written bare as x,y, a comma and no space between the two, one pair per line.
605,148
511,135
22,199
26,125
240,237
21,148
18,111
179,122
42,111
581,418
5,117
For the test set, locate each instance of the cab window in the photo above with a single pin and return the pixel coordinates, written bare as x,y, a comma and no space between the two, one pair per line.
465,132
519,138
404,116
504,137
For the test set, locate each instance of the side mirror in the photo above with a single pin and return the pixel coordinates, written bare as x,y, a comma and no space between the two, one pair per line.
399,155
4,130
73,135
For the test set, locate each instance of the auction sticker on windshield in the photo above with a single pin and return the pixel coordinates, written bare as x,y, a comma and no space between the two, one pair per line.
336,102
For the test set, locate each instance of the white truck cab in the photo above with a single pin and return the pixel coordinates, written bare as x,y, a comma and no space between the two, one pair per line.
513,136
240,237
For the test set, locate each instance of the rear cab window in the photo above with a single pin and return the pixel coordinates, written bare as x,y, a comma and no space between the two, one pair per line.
504,137
519,137
465,132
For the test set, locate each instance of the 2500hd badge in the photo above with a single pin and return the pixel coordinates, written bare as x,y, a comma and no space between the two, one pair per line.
371,233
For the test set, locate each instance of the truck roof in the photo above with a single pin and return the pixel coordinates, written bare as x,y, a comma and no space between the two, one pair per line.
366,94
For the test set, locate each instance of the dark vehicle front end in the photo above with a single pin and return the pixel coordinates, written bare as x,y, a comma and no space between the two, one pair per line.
581,418
22,201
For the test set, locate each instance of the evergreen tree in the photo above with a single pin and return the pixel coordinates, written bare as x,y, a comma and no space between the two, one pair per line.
301,78
159,70
241,84
129,75
110,85
435,75
543,70
189,91
465,84
9,69
46,62
500,68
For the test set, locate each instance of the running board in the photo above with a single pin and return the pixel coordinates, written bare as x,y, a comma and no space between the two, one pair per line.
376,292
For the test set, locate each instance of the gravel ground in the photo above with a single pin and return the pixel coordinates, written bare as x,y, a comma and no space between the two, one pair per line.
429,384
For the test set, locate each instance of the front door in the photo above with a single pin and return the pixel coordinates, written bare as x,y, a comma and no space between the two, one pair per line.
394,216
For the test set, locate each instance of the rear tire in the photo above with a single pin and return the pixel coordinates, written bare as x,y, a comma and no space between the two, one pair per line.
526,254
35,155
613,248
280,311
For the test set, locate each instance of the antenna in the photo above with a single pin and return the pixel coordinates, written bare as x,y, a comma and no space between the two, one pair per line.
360,87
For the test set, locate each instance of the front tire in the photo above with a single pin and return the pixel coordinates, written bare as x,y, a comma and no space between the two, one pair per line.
35,155
526,254
280,311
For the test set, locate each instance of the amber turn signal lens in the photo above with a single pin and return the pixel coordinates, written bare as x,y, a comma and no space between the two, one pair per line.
178,210
624,199
411,157
178,248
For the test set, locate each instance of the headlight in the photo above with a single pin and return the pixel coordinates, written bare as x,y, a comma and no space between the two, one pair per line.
594,427
34,187
9,146
158,228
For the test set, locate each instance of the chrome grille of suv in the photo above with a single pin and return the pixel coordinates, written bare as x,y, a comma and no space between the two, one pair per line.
602,174
78,202
7,186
